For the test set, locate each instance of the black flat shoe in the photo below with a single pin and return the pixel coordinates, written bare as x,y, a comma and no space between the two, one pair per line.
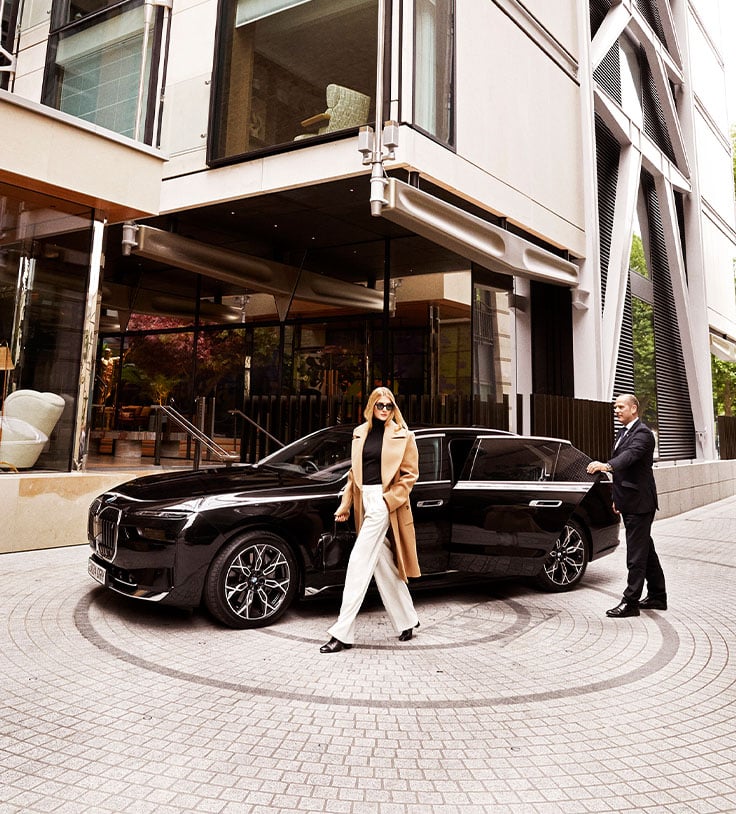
334,646
652,603
622,610
407,634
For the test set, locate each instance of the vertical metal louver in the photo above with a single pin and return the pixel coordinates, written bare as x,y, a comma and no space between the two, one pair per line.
624,381
676,429
608,152
608,73
650,12
654,121
598,11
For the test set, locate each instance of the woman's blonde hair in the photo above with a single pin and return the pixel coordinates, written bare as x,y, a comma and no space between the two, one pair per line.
385,394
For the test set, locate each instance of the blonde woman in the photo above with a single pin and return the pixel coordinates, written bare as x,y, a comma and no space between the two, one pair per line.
384,468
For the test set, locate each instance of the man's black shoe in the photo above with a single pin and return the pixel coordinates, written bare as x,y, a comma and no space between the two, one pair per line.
622,610
334,646
652,603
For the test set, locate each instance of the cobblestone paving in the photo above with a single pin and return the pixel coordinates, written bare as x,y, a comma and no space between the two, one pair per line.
507,700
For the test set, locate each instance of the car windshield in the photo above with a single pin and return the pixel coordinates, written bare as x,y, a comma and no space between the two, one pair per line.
323,455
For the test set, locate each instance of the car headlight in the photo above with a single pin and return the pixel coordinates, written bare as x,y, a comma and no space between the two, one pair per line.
160,525
163,514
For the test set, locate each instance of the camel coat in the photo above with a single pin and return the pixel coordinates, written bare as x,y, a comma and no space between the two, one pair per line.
399,471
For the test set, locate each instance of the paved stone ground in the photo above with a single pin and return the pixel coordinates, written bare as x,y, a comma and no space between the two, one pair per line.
507,700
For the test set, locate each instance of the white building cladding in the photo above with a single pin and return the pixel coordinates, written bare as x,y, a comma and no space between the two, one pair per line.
536,141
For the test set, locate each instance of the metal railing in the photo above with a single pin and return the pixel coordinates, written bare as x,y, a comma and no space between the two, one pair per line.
587,424
293,416
257,426
196,434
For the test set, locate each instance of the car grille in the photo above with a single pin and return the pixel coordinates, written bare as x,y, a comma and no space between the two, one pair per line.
106,533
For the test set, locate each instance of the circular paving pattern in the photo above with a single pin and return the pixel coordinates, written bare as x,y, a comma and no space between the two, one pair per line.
475,644
507,701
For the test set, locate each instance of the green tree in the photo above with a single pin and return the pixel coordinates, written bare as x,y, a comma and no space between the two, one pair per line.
724,373
637,260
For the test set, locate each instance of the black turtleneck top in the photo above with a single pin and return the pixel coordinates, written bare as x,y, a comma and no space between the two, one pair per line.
372,454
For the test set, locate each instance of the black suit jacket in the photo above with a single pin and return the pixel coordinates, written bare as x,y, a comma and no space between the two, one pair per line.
634,488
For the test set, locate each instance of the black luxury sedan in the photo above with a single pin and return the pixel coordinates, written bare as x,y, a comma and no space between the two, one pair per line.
247,540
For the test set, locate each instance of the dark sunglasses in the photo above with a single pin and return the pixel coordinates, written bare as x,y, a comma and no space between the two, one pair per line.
381,406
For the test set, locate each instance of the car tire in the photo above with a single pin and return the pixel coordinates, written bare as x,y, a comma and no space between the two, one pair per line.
565,564
252,581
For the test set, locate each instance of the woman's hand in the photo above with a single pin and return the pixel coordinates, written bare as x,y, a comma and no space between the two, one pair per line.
341,518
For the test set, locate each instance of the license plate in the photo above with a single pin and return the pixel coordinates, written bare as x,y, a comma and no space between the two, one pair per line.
97,572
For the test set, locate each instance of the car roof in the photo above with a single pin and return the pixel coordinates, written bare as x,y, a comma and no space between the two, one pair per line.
431,429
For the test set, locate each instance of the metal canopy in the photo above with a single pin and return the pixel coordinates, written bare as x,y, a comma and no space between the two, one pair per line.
284,282
471,237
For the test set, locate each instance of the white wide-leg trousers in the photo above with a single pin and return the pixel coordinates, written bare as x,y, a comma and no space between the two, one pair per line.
372,557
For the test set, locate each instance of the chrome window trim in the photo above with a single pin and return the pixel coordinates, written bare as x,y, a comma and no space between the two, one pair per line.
524,486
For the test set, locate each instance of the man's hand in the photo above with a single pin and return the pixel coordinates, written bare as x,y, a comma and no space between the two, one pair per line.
597,466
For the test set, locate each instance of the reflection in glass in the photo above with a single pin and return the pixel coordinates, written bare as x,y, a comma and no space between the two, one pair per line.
493,351
328,361
102,71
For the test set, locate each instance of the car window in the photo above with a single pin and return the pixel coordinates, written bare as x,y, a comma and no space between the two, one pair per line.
430,458
323,455
512,459
572,464
459,450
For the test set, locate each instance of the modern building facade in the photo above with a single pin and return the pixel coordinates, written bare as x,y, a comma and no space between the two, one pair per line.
471,202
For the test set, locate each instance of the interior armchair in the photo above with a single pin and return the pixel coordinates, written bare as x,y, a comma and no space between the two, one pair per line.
30,417
345,108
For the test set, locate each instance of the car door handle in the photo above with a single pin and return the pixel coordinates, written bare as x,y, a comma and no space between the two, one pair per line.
424,504
545,504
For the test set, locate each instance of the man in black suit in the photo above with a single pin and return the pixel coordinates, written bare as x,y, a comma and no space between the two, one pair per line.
635,497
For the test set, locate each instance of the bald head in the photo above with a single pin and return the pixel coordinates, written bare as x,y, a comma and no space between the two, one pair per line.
626,408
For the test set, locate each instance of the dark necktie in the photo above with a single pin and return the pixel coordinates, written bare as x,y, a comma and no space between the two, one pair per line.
620,437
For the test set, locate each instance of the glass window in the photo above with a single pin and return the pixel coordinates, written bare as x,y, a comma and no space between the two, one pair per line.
434,67
8,30
430,458
291,70
68,11
156,369
572,465
328,361
103,70
514,459
493,354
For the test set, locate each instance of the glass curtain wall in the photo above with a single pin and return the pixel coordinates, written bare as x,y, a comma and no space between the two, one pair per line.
493,345
44,274
290,71
103,64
